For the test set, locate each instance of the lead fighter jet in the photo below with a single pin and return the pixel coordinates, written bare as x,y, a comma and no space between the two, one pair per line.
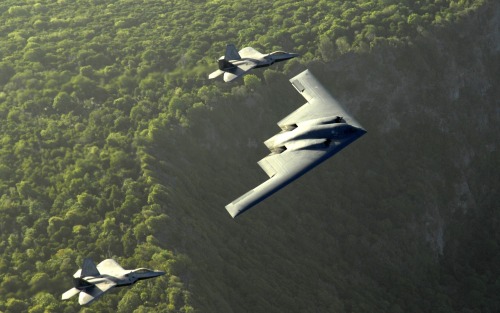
235,64
92,282
313,133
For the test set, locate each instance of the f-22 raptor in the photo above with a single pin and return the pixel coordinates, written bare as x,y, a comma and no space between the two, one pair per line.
235,64
91,282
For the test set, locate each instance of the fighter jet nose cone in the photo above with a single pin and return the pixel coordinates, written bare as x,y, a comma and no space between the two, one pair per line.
291,56
160,273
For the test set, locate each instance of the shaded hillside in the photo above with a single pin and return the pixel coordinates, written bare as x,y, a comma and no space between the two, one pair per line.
405,220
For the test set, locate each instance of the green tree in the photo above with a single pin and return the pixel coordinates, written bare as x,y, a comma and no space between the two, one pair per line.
6,72
63,102
326,48
251,81
14,305
342,45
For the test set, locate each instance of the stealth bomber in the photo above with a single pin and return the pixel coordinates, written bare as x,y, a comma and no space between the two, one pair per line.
235,64
92,281
310,135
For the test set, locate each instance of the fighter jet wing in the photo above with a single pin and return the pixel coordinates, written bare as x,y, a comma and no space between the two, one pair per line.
250,53
302,155
110,267
319,102
242,67
90,294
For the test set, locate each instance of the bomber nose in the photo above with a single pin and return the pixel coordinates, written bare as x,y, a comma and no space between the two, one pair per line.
361,130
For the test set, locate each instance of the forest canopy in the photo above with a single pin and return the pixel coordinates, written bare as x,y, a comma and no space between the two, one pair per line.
87,88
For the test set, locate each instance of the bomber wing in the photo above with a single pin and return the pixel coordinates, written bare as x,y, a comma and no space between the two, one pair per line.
302,155
319,102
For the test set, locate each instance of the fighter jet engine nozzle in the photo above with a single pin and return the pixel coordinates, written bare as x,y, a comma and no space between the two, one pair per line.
225,65
80,283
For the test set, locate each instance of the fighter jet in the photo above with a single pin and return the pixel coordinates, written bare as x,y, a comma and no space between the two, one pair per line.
92,282
235,64
310,135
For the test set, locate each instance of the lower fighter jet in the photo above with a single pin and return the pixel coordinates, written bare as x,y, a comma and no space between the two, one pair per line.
91,282
235,64
313,133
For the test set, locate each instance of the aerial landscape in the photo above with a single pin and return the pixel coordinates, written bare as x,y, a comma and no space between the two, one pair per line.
116,145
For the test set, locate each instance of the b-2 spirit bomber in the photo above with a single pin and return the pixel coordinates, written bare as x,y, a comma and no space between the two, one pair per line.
310,135
91,282
234,64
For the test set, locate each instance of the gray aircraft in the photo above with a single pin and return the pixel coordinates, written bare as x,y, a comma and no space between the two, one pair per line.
311,134
91,282
235,64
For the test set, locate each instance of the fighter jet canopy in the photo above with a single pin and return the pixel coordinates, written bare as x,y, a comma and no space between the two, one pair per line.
143,271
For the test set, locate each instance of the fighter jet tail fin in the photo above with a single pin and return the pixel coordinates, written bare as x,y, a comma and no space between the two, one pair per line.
89,268
231,53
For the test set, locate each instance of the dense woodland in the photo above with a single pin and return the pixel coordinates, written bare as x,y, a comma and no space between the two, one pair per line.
115,144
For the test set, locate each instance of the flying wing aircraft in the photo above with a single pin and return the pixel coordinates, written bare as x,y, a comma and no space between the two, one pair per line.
235,64
91,282
311,134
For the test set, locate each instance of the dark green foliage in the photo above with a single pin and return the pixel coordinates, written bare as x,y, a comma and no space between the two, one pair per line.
115,144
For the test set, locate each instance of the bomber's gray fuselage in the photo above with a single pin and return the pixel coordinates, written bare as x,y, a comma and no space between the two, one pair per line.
305,136
310,135
308,144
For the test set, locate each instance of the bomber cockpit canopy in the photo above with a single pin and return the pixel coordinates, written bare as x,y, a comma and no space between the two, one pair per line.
339,119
